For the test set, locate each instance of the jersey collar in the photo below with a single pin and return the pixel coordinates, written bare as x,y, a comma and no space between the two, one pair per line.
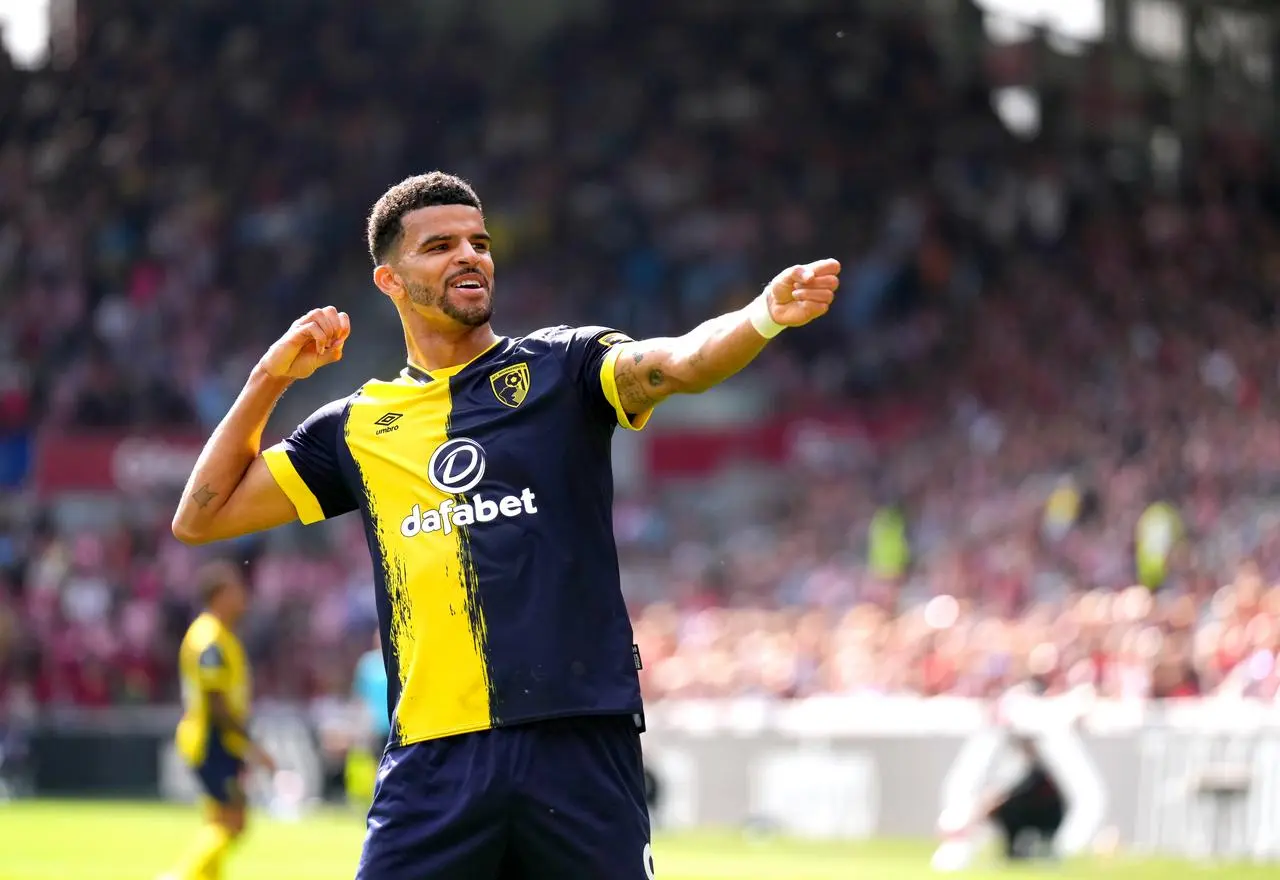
423,376
415,373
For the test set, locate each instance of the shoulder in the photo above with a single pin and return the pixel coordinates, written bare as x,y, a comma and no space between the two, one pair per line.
330,416
204,642
336,410
201,633
565,339
378,402
330,419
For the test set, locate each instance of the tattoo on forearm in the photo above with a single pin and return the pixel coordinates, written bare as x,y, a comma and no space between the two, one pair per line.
633,395
203,496
696,359
641,389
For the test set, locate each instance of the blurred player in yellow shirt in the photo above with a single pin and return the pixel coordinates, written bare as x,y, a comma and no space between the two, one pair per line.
213,736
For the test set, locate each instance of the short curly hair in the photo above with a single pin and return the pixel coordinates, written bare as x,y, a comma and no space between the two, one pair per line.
410,194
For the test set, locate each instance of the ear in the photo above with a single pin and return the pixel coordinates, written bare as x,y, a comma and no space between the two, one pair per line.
388,281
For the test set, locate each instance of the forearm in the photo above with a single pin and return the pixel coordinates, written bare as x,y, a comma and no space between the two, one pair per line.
651,370
645,373
226,456
715,350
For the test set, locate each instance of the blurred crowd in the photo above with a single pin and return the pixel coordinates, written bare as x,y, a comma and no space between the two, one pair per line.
199,176
1105,416
1120,645
1092,358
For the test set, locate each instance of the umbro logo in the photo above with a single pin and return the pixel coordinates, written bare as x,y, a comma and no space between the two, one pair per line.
387,423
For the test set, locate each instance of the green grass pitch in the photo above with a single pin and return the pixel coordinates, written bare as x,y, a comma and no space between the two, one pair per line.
48,840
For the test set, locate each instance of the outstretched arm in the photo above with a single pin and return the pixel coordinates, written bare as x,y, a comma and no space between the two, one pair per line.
651,370
231,492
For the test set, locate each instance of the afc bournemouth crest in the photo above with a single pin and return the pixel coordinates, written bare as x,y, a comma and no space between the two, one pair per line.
611,339
511,384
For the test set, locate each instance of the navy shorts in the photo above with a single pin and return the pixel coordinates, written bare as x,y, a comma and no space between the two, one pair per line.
551,800
219,773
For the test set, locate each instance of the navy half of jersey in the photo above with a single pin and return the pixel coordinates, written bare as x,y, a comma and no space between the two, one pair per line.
487,496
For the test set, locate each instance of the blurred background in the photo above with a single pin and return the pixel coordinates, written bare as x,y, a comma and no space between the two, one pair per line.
1034,449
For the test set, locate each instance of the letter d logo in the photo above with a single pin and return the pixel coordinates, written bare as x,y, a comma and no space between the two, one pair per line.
412,524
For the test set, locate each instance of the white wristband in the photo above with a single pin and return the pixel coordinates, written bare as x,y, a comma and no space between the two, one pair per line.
758,312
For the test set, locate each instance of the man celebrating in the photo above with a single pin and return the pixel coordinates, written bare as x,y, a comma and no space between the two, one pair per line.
483,476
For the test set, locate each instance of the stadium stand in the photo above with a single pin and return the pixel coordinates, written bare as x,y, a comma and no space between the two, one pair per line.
1031,350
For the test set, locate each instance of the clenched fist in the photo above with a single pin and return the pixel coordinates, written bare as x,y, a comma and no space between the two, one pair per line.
800,294
314,340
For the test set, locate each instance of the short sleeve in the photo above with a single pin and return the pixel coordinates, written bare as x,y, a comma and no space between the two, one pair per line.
212,667
592,353
305,465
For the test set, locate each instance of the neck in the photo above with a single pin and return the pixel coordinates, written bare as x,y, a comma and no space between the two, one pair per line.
432,347
225,619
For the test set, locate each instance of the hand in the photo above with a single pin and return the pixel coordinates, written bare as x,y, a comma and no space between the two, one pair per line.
314,340
800,294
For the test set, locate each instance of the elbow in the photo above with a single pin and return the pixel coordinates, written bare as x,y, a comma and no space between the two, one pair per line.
187,534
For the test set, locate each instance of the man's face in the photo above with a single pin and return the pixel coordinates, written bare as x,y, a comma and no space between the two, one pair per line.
445,264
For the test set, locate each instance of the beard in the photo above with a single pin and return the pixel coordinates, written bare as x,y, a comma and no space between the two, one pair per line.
470,314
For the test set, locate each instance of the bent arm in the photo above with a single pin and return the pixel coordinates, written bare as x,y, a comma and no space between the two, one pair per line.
231,492
649,371
236,733
223,720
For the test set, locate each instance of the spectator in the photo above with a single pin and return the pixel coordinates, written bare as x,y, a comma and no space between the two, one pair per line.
1045,326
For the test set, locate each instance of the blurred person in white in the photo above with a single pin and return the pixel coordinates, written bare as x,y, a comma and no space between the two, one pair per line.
1027,816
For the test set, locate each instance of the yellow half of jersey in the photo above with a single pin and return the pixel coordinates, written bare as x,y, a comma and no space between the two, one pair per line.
444,668
437,631
211,660
437,628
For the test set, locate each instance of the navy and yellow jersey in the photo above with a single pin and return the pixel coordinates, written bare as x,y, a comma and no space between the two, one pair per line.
487,496
211,660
